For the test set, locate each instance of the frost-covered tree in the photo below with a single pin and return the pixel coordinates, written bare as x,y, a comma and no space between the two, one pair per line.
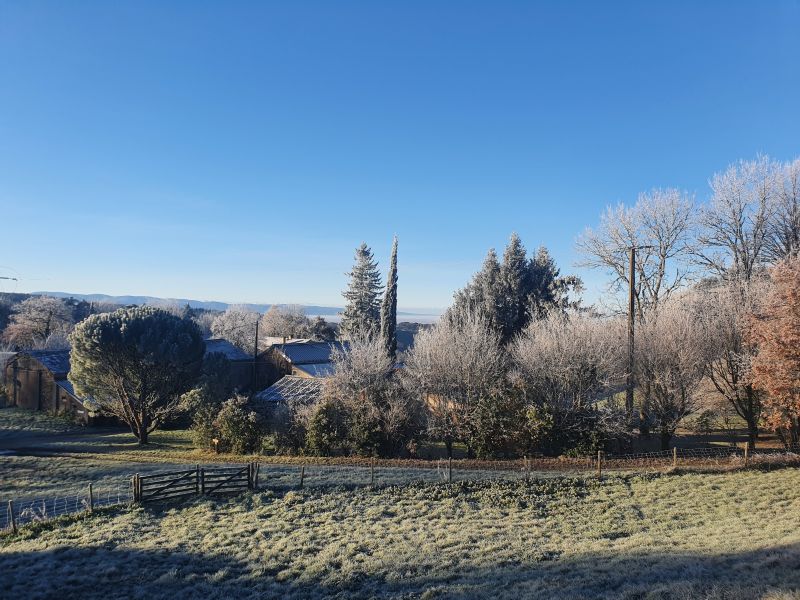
39,322
784,229
285,321
566,364
509,294
451,368
361,315
670,352
136,363
237,325
389,307
735,225
724,310
661,226
379,416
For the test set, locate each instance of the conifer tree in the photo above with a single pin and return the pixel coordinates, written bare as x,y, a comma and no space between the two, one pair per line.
389,307
361,315
514,280
510,294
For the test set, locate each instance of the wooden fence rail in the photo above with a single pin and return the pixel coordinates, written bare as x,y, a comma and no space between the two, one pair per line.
173,485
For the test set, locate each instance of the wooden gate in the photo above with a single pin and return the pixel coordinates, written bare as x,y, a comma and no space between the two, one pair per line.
171,485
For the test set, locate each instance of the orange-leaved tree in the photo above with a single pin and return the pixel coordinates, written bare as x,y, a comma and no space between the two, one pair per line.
776,367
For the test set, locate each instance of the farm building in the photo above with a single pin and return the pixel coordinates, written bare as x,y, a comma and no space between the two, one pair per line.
37,380
242,372
291,390
301,358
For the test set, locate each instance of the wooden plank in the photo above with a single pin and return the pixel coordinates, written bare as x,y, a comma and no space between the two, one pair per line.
233,477
166,474
182,478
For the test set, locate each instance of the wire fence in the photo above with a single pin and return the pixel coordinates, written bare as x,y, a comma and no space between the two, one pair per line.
30,510
371,473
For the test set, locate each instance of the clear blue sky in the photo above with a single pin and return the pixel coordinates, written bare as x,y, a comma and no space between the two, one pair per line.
240,151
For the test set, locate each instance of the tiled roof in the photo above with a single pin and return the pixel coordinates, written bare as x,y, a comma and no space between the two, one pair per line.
304,353
291,390
224,347
55,361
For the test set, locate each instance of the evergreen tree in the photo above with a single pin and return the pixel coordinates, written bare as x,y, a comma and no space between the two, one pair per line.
389,307
510,294
515,286
361,316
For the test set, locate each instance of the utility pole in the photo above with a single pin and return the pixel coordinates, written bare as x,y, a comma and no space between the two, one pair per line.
255,362
631,310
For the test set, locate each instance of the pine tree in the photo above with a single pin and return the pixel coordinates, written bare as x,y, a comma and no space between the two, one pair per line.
361,316
389,307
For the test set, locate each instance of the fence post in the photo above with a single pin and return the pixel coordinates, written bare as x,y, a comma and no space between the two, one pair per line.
197,479
13,516
450,469
746,445
91,499
372,473
250,476
599,464
203,482
255,475
674,456
302,475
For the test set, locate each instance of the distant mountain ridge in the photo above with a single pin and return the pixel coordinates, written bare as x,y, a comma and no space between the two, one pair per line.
310,309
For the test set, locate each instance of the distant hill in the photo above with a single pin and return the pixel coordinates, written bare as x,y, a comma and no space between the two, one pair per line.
331,313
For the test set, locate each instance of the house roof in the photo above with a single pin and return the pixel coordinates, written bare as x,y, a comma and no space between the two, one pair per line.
225,348
66,385
55,361
317,369
291,390
307,353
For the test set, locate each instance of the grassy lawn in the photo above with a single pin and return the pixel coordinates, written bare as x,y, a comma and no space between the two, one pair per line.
731,535
13,420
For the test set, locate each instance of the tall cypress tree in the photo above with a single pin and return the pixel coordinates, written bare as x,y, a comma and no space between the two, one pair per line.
389,307
361,316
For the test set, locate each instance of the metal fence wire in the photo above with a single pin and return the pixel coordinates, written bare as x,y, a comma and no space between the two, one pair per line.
22,511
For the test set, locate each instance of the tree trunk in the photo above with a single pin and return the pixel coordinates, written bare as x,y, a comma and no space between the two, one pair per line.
752,434
666,436
143,437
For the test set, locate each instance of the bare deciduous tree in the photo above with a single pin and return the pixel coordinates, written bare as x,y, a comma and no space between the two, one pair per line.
661,225
724,310
451,367
237,325
39,322
784,231
380,414
288,321
669,363
566,364
735,226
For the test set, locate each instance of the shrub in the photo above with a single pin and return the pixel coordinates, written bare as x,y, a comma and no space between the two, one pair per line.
326,434
238,427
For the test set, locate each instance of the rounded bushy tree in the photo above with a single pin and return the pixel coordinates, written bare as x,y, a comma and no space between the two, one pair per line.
135,363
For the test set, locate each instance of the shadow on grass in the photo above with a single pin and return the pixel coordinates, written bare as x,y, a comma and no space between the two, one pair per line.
101,572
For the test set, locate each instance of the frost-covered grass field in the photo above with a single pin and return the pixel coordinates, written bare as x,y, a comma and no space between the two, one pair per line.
729,535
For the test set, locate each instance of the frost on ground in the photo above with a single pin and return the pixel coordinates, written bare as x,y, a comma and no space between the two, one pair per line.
731,535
